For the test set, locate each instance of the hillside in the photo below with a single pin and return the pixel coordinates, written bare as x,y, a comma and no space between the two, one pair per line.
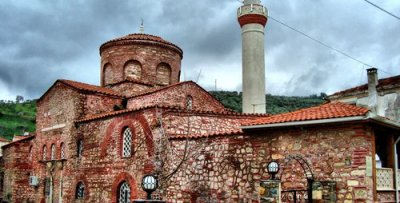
275,104
16,118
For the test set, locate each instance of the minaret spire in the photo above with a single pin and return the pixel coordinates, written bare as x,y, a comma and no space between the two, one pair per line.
252,17
141,29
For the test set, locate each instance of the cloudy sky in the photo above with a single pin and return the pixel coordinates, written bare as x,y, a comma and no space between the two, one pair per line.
42,41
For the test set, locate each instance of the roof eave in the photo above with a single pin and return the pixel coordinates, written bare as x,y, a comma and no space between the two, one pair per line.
383,121
304,123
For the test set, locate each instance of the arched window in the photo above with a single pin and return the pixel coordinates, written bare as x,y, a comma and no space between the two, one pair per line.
189,103
163,74
53,152
132,70
79,148
62,151
127,143
124,193
107,74
44,156
80,191
30,153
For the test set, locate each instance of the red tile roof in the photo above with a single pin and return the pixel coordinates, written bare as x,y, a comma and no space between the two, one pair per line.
140,38
172,108
90,88
383,83
2,139
324,111
212,134
18,141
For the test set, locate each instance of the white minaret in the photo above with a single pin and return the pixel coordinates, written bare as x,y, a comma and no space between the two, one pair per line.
252,17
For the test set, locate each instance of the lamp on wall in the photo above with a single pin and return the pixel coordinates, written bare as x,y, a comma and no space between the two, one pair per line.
273,168
149,184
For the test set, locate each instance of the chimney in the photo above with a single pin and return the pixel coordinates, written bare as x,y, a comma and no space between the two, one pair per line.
372,92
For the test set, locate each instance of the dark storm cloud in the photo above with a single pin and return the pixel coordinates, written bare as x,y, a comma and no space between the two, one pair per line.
42,41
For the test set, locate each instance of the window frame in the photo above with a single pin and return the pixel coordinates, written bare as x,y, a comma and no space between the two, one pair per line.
126,132
44,153
80,190
53,152
127,192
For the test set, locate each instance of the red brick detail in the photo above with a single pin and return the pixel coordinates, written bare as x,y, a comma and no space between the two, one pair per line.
124,176
252,18
120,124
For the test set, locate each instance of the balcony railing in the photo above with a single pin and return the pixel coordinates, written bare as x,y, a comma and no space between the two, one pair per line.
384,179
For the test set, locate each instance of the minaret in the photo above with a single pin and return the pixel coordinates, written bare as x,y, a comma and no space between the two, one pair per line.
252,17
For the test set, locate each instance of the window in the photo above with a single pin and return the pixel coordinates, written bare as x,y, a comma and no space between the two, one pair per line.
163,74
124,193
44,153
80,191
30,153
79,148
132,70
189,103
53,152
62,151
107,74
127,143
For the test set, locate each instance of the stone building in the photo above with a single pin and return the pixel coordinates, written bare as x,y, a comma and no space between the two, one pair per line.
379,95
95,143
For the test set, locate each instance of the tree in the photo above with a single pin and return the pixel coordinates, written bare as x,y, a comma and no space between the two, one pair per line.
19,99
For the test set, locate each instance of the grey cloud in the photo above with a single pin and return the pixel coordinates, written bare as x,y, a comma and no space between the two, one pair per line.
58,39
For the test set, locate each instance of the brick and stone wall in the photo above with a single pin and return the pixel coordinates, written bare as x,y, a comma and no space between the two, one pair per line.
17,169
177,96
230,168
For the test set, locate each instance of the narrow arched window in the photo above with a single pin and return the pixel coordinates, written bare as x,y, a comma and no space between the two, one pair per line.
62,151
107,74
80,191
163,74
79,148
124,193
133,70
189,103
53,152
44,151
30,153
127,143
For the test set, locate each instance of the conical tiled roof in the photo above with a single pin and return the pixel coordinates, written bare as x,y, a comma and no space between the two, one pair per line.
140,38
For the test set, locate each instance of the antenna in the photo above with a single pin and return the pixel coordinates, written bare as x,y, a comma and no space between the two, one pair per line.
141,29
198,76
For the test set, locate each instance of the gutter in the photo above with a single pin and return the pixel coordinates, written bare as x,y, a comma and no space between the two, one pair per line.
301,123
369,116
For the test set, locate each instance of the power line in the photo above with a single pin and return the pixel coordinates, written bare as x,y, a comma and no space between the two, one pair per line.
380,8
319,42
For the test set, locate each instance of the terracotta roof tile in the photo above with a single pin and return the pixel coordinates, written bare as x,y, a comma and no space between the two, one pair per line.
324,111
2,139
139,38
18,141
91,88
382,84
212,134
172,108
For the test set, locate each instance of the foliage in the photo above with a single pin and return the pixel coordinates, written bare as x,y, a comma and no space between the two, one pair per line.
17,118
274,104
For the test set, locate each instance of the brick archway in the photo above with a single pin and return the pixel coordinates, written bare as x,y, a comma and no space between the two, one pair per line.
118,124
124,176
